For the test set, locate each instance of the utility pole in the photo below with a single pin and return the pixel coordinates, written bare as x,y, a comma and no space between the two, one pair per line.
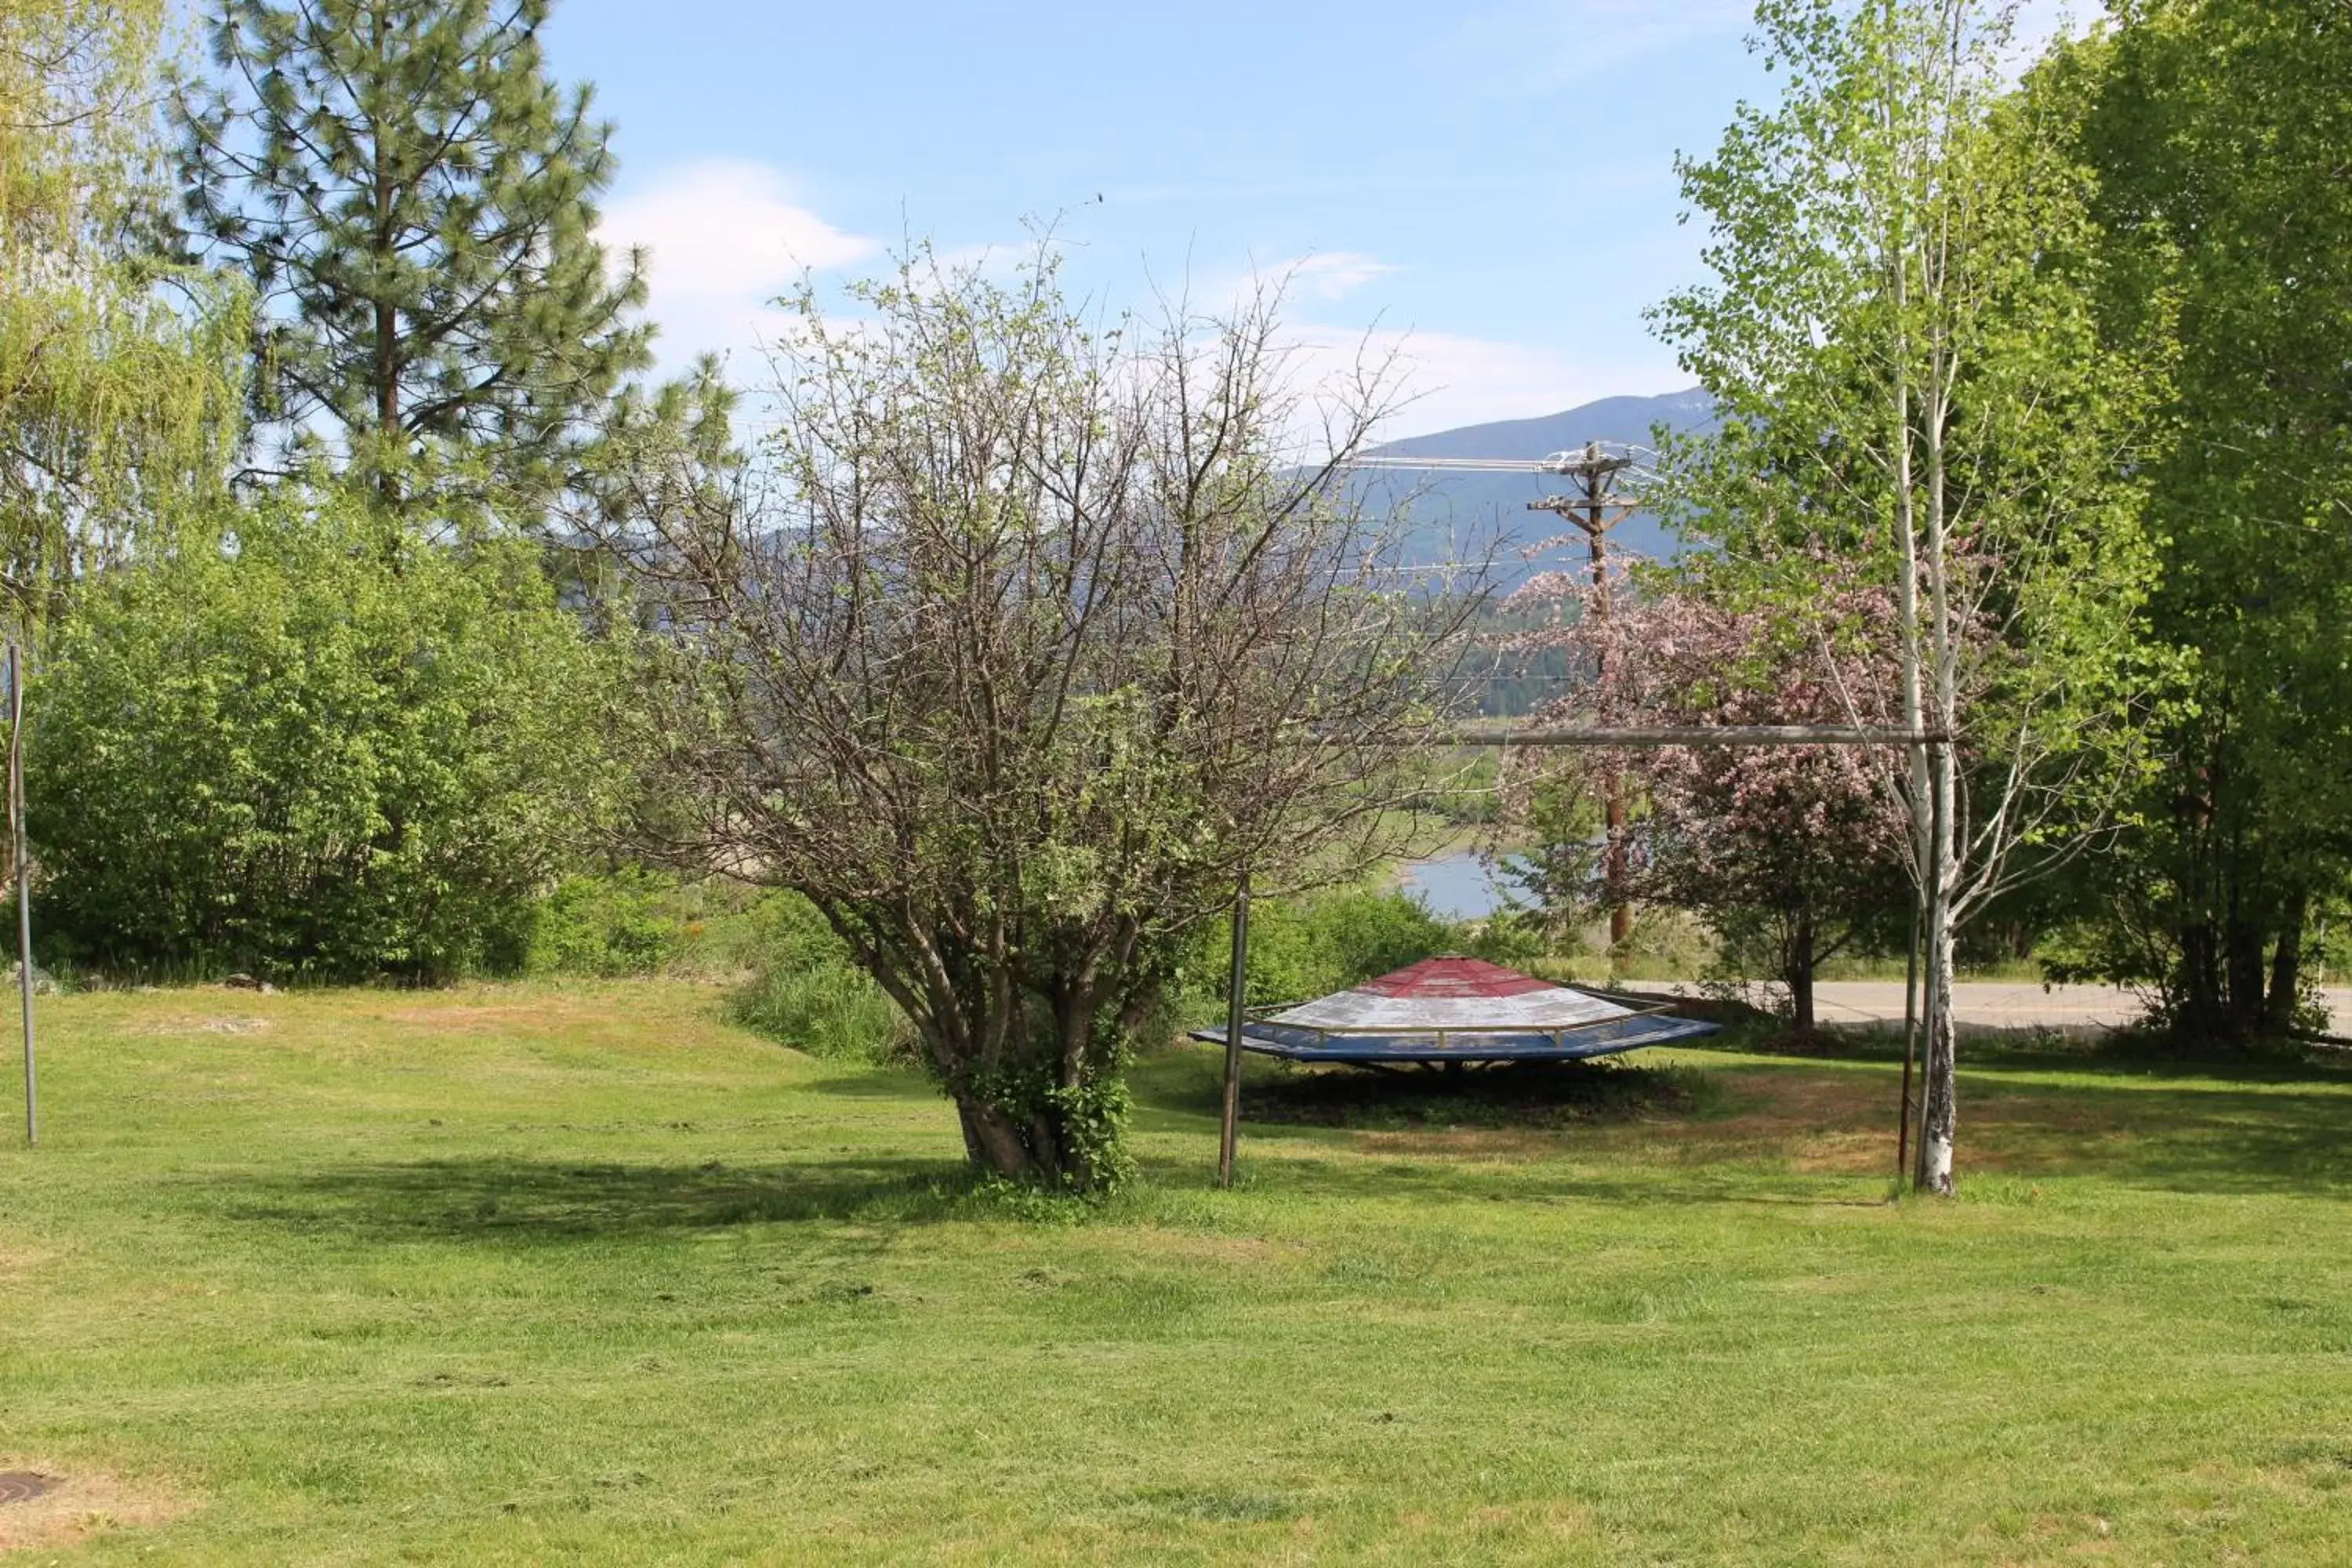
1594,507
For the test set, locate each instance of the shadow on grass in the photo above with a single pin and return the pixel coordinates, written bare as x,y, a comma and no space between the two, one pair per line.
522,1202
2103,1054
2022,1117
1540,1095
892,1083
2202,1138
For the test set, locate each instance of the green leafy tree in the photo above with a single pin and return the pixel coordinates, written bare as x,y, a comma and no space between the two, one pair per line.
117,393
324,750
414,200
1903,341
2222,130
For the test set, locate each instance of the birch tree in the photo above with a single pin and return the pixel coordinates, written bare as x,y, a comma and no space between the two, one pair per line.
1900,334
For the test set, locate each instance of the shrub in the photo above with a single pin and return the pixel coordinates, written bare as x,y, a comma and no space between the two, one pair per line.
323,749
628,921
807,992
1305,947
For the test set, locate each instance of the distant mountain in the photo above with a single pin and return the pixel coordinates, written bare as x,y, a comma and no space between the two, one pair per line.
1452,514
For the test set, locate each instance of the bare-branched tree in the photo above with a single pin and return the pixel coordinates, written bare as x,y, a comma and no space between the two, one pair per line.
1012,649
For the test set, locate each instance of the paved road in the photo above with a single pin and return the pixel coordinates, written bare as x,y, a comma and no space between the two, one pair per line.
2011,1005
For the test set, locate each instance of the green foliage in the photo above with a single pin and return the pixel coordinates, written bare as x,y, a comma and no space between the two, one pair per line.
414,200
792,978
322,749
118,394
1307,947
2221,130
808,991
1916,386
1517,938
830,1010
628,921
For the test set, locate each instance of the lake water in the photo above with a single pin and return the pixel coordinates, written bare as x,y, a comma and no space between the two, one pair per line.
1455,887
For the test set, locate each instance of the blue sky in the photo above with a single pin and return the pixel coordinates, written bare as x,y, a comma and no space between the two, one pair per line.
1491,184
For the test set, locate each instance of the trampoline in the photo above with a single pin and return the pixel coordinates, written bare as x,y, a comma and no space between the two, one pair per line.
1459,1010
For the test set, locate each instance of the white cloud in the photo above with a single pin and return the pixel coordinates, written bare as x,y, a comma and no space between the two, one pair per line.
1325,275
724,238
1334,275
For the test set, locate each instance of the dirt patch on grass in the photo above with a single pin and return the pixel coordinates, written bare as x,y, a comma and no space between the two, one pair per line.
1832,1122
1817,1121
186,1025
459,1015
81,1505
17,1260
1825,1123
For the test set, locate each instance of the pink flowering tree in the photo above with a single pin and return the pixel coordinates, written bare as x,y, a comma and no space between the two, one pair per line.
1790,854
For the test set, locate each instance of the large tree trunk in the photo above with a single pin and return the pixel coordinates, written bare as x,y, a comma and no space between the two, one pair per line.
1797,974
1039,1117
2287,968
1036,1142
2199,1013
2246,964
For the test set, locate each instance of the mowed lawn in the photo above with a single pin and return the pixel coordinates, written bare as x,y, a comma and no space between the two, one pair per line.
525,1274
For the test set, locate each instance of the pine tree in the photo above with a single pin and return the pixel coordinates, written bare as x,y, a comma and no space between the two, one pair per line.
414,201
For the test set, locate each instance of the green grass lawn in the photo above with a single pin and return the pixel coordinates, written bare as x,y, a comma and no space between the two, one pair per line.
528,1275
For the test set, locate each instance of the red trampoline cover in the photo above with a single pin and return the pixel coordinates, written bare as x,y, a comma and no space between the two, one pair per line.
1455,977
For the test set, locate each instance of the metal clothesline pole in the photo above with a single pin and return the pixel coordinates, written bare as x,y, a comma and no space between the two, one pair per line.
1745,735
1236,984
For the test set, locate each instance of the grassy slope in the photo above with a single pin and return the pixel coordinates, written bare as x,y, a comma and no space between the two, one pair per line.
529,1276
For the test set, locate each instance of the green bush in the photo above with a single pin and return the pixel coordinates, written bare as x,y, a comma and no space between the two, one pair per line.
1304,948
807,992
323,749
629,921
